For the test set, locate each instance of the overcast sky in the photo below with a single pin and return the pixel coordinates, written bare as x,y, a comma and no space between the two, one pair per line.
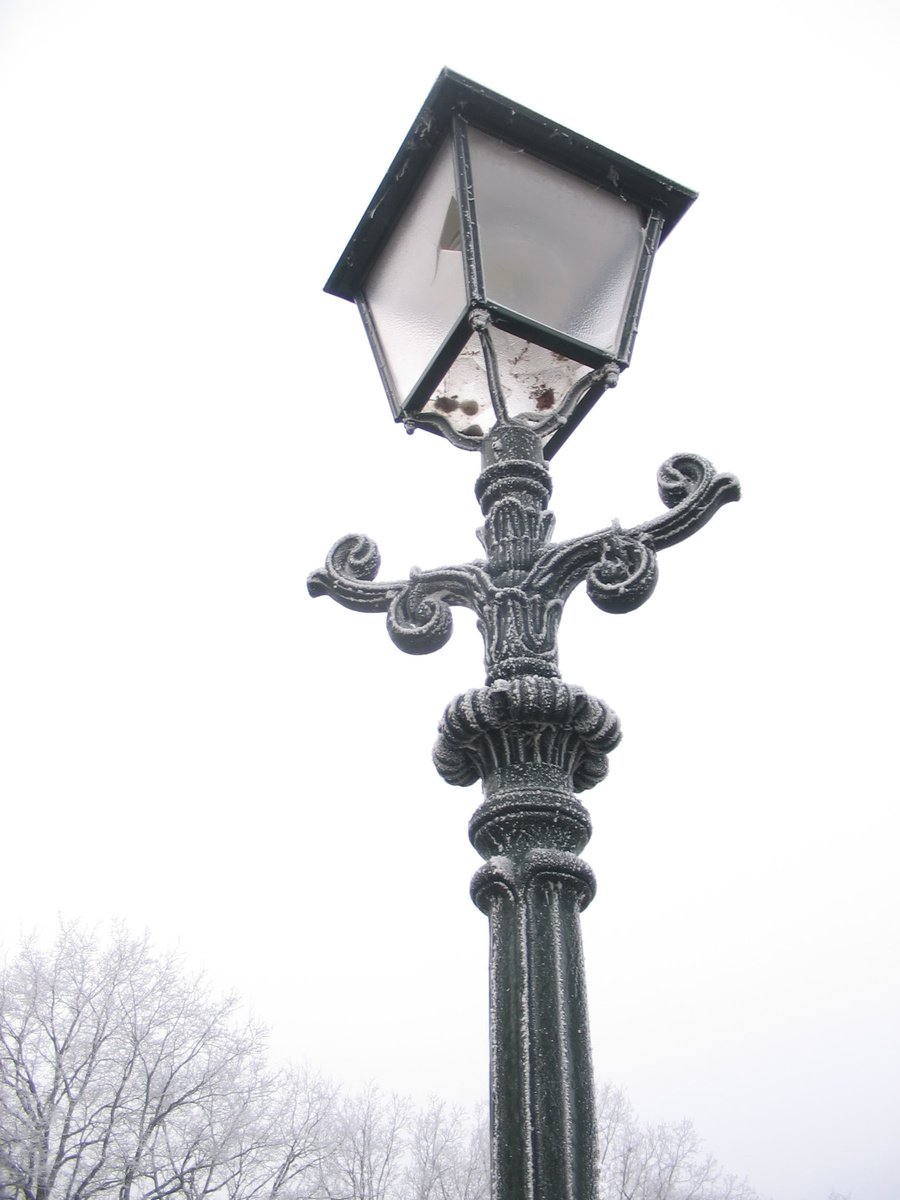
187,423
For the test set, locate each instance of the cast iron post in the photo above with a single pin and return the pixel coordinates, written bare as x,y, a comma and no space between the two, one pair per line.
534,742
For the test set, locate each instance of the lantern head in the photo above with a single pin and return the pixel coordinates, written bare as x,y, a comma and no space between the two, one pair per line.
499,235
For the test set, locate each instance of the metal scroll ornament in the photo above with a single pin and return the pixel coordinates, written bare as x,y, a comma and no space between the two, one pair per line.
518,592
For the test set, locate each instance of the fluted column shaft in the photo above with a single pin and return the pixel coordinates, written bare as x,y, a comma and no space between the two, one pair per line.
532,889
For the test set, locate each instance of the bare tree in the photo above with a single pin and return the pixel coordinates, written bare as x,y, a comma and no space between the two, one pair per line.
122,1077
656,1162
448,1155
368,1147
265,1141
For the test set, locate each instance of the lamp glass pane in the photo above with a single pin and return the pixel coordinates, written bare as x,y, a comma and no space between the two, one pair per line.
416,291
554,247
534,381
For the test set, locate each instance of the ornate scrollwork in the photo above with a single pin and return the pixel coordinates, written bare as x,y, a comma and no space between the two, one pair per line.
519,592
681,476
419,623
350,566
419,620
690,486
620,565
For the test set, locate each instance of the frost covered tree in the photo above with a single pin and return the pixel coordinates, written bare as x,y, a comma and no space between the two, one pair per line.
655,1162
368,1147
122,1077
448,1156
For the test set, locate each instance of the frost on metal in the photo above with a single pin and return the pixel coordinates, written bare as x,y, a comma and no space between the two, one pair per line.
533,741
519,590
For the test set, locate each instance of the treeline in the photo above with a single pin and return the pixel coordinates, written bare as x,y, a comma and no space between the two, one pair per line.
123,1078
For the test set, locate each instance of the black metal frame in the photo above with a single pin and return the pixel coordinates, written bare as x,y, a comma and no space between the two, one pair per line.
495,114
455,104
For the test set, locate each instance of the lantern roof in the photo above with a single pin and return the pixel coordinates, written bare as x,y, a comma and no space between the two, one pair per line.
494,114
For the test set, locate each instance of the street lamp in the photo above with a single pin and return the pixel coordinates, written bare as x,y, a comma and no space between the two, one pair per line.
499,272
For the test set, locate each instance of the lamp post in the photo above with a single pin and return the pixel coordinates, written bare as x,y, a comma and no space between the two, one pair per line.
500,271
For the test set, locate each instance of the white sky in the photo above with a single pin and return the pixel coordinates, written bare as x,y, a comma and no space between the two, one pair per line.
188,423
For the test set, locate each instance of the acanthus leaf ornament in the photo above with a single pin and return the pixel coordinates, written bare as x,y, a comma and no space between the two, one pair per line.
531,719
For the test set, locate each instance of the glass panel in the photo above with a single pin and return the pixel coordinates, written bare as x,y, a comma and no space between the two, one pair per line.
417,291
554,248
534,380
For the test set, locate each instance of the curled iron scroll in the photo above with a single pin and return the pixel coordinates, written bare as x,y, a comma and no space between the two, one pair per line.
625,575
350,566
418,623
